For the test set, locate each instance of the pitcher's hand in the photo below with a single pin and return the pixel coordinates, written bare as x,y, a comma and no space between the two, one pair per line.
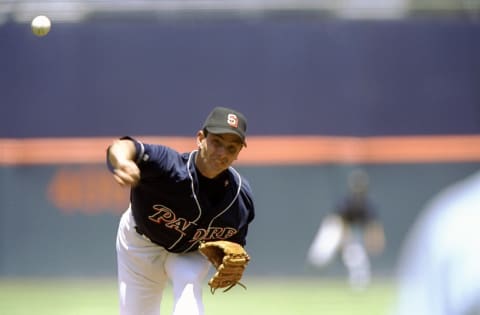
126,173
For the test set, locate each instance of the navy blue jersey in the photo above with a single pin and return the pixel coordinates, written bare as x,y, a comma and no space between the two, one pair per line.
171,208
356,210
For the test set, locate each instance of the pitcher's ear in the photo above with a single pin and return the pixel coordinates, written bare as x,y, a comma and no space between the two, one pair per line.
200,136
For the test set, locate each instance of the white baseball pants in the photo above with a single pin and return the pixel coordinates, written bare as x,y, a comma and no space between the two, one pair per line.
144,269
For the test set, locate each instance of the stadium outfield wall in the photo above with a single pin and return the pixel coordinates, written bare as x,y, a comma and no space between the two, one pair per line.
399,98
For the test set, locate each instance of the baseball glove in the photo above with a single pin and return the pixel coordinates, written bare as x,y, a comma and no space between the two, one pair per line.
229,259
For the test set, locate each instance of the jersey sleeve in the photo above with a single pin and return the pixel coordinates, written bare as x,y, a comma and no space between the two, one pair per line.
151,158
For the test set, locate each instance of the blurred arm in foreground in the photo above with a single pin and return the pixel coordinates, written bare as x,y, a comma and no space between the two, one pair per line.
439,268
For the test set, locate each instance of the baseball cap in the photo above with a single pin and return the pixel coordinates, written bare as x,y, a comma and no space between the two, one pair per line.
226,120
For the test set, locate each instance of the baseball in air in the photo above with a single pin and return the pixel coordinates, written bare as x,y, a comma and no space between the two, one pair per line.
41,25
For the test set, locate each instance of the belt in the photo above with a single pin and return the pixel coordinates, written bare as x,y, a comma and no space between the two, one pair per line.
142,234
139,231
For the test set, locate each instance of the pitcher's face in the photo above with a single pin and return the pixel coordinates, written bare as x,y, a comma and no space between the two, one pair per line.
217,152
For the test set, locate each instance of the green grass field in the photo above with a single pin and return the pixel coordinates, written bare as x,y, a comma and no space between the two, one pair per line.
263,297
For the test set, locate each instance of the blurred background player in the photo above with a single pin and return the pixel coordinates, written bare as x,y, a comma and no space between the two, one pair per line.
352,229
439,267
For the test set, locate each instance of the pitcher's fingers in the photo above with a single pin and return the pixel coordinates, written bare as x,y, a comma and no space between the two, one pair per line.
125,179
120,180
130,169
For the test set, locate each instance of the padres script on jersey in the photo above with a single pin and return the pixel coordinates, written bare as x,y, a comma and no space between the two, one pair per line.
178,219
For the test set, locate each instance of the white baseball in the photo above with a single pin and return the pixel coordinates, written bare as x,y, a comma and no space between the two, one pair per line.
41,25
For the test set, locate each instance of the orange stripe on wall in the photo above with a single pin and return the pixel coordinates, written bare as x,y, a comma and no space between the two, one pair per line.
262,150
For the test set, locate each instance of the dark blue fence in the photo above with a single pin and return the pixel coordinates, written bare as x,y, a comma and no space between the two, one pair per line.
290,76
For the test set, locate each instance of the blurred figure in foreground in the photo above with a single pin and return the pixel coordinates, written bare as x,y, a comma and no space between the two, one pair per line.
439,268
354,230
